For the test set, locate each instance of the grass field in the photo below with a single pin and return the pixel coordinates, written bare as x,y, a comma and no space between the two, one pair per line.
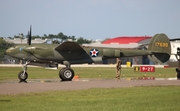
108,99
84,72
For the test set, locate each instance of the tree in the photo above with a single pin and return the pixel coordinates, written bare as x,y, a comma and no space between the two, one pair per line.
82,40
72,37
4,46
36,37
60,35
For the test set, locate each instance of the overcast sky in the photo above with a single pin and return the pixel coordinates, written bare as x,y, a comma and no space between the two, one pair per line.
90,19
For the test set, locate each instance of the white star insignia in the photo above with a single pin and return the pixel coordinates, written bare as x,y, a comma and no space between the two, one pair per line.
94,53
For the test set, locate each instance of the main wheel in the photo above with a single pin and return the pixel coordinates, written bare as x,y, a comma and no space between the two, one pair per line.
66,74
60,73
22,77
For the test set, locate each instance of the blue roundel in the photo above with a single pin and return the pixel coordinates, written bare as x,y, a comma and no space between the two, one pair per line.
20,49
94,52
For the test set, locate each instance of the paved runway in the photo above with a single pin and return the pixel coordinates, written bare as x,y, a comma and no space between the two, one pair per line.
49,85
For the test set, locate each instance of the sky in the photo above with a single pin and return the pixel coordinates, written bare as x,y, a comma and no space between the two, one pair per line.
90,19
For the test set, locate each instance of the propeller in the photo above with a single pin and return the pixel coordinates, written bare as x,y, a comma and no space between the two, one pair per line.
29,36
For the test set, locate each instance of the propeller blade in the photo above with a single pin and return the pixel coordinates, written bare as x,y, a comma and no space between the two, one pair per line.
29,36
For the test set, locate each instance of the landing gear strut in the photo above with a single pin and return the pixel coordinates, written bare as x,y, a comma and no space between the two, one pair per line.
23,75
66,74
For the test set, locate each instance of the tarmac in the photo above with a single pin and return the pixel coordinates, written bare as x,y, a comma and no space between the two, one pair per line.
12,87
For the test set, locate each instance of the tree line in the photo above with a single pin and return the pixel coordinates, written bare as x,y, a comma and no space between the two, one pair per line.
60,37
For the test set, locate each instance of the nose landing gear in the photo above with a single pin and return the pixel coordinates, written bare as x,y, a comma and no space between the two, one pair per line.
23,75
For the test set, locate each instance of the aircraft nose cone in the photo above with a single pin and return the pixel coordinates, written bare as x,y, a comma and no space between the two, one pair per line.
9,51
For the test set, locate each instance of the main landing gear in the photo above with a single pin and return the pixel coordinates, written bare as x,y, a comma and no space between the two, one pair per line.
66,74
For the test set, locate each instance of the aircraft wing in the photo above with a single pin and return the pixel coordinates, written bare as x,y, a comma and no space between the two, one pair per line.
73,53
69,46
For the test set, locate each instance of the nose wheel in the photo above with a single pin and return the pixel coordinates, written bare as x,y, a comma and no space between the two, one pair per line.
23,75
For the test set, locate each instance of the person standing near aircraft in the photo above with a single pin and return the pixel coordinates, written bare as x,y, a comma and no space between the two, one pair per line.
118,68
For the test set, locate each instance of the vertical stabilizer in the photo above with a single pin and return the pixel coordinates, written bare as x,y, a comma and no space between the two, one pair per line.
160,48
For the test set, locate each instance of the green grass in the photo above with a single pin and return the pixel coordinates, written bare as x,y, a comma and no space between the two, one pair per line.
83,72
108,99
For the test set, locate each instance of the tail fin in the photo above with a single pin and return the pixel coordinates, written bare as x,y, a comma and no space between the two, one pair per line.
160,48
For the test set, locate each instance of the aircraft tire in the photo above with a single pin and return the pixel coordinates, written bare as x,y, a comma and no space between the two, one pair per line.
60,73
21,77
67,74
